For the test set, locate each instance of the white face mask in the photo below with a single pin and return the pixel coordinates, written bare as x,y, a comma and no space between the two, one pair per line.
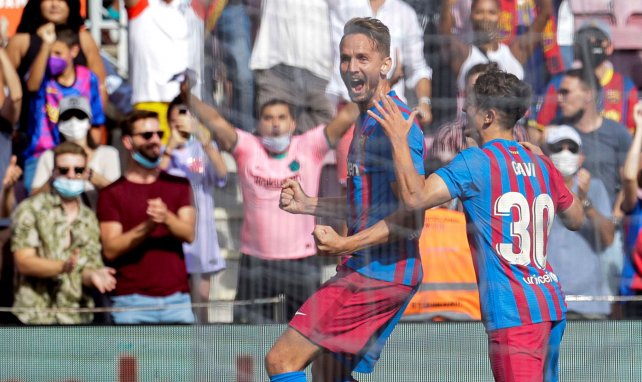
74,129
277,145
566,162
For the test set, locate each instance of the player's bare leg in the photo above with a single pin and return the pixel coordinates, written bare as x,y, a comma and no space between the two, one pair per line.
291,352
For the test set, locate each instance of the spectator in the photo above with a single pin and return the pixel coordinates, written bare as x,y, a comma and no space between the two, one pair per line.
27,44
191,154
234,33
277,248
605,143
10,105
576,255
592,49
54,76
631,283
175,47
103,161
145,217
287,66
56,247
486,45
406,47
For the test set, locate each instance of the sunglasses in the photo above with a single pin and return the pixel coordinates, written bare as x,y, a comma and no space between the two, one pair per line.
149,134
559,146
77,170
67,115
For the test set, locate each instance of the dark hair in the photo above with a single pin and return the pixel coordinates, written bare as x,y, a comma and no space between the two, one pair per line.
275,101
474,3
504,93
586,77
67,35
127,125
372,28
176,102
69,148
480,68
32,18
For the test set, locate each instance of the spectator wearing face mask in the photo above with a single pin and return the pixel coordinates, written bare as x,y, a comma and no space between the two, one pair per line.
54,76
576,255
277,248
73,124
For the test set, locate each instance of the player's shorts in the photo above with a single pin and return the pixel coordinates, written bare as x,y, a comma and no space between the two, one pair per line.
526,353
352,316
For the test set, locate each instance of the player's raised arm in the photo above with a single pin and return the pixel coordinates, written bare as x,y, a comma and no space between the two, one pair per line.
415,191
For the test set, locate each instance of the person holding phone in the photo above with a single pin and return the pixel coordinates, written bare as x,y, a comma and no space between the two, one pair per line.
191,153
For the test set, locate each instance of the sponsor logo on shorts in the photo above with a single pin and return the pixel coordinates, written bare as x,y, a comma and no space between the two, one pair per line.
546,278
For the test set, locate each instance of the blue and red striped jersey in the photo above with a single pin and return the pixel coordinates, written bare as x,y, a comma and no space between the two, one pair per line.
510,198
371,198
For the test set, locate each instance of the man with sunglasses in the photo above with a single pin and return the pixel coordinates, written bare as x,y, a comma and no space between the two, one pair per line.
576,255
145,217
56,246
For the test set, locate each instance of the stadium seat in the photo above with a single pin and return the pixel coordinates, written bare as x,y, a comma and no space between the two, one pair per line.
592,9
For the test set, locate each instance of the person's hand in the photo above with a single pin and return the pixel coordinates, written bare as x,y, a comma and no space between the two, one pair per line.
394,124
157,210
328,241
12,174
637,116
532,148
70,264
202,134
425,114
583,183
185,91
47,32
293,199
103,279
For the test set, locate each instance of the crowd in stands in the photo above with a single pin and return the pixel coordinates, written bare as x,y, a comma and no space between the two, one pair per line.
111,205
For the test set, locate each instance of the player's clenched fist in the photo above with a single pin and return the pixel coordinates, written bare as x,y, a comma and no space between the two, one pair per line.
329,242
292,197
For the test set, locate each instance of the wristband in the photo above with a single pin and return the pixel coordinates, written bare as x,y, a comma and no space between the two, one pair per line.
425,100
586,203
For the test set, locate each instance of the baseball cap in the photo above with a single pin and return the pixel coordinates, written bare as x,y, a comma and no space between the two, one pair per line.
594,26
75,103
562,133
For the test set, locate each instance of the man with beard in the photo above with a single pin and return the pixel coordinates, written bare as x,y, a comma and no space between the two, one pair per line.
604,141
486,46
277,250
592,49
145,217
345,324
510,196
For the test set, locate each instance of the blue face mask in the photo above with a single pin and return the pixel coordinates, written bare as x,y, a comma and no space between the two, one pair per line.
143,161
68,188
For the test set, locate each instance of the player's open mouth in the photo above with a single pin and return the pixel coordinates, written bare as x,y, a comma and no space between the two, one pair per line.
357,85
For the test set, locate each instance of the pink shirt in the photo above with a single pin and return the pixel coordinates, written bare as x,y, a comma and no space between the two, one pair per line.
267,231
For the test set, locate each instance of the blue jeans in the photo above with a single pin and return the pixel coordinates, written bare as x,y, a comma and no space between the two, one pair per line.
234,33
168,315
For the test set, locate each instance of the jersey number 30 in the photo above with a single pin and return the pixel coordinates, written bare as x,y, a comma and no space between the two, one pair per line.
528,227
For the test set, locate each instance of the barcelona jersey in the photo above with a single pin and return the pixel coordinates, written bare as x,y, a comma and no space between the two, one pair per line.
510,198
371,198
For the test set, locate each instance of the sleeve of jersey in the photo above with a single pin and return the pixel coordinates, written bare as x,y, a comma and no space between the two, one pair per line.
107,209
185,198
243,144
563,194
98,115
457,177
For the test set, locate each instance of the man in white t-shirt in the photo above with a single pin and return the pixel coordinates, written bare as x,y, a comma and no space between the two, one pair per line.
277,248
165,38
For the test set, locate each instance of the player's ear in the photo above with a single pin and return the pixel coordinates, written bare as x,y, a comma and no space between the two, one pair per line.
489,117
385,66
